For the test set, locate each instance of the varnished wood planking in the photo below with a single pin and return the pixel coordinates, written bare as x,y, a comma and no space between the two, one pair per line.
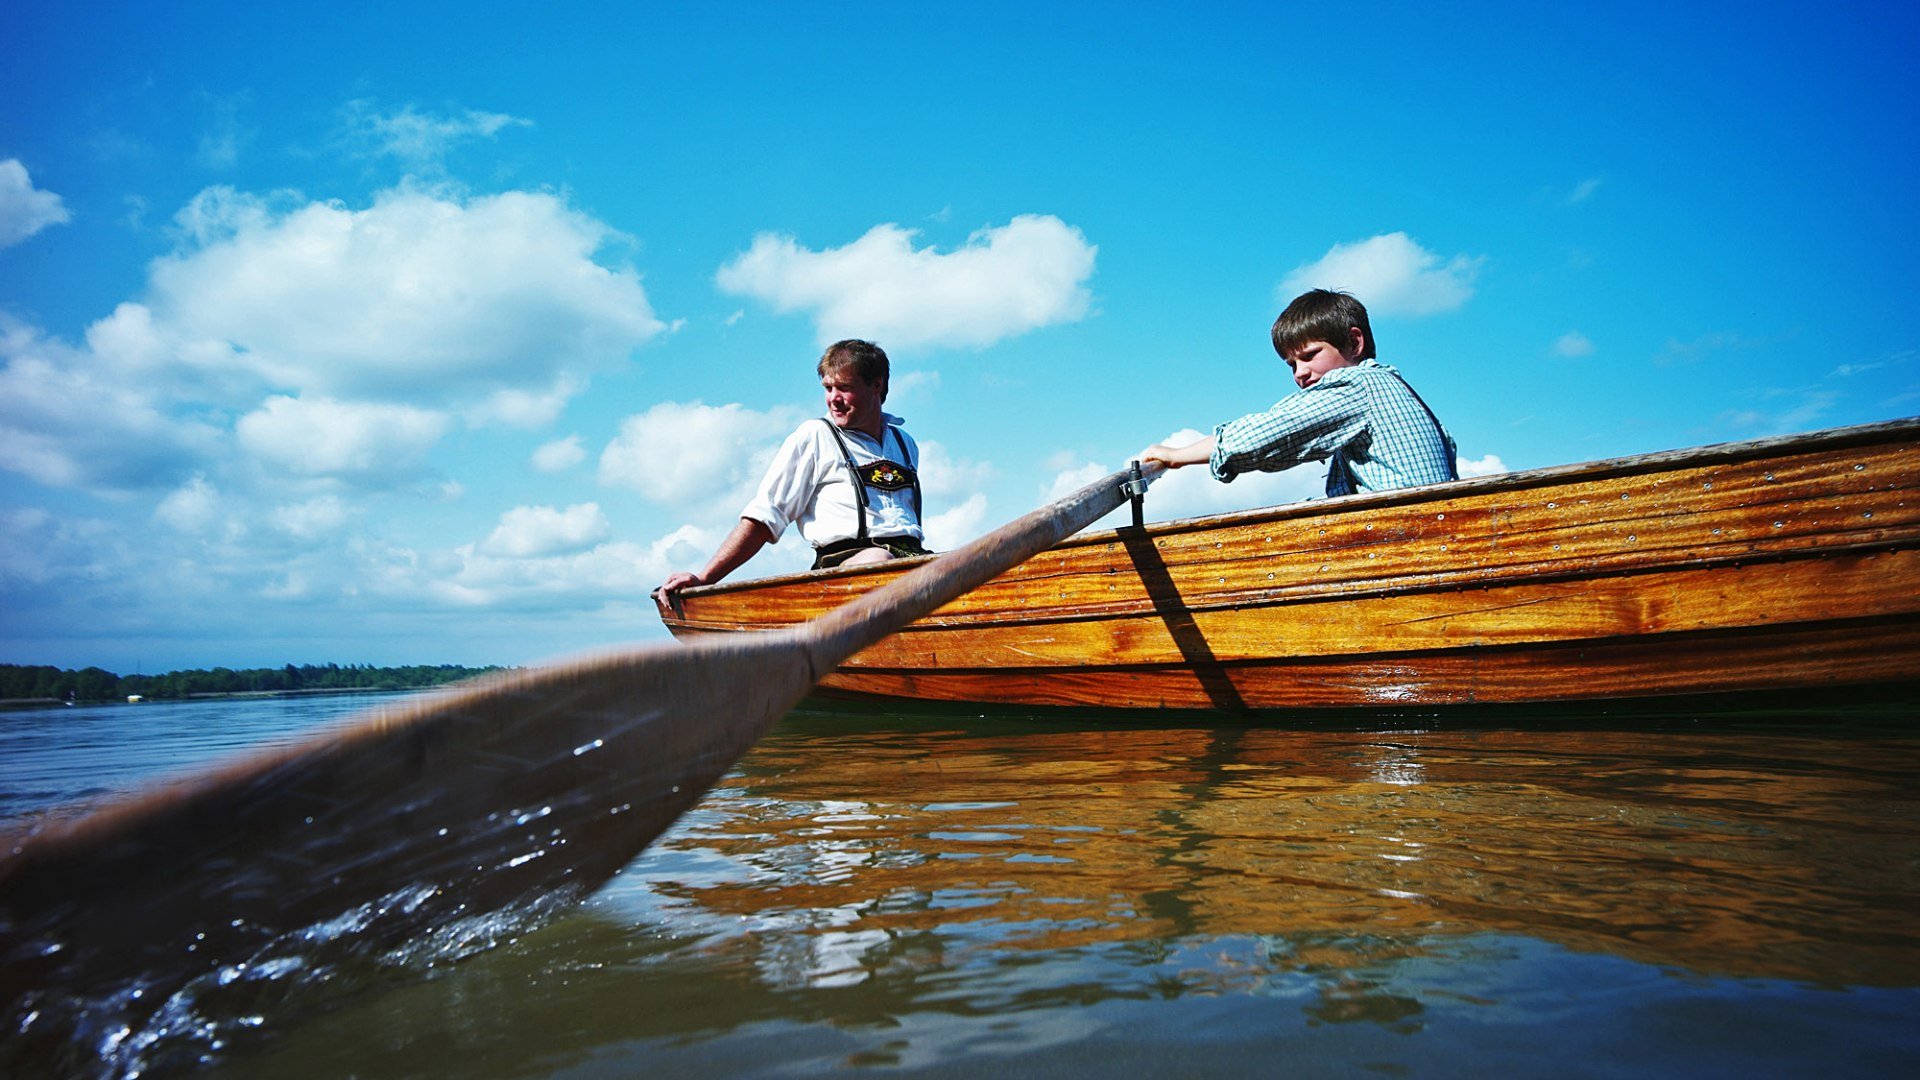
1836,655
1731,597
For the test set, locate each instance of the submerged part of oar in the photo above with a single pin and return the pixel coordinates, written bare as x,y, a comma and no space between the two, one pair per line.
502,793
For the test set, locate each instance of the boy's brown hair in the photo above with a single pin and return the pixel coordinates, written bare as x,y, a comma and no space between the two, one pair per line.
1322,315
868,361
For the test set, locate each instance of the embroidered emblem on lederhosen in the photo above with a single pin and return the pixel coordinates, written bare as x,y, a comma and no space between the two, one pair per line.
887,475
882,475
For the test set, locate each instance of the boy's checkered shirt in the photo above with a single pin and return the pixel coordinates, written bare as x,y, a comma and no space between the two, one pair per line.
1369,426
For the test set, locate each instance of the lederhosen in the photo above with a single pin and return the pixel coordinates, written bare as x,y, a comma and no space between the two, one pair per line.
884,475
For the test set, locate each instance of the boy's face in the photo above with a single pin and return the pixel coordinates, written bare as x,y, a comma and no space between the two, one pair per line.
1312,359
851,401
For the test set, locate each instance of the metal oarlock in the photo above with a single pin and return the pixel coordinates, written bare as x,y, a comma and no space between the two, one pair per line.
1136,489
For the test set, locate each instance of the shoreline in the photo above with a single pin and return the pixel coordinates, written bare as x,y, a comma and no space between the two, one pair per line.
16,704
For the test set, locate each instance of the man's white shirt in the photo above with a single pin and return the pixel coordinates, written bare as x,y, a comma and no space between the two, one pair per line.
808,485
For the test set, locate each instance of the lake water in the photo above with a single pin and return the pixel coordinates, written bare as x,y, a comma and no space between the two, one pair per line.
867,895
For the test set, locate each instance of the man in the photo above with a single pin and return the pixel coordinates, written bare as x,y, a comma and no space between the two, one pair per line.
849,481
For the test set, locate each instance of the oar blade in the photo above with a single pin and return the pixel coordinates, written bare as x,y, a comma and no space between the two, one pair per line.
522,786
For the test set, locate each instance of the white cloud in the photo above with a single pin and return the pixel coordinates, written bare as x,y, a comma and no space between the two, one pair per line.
472,576
1584,190
220,213
685,546
1573,343
559,455
221,140
1004,281
492,309
1391,274
25,210
676,452
1704,347
942,475
421,140
1808,410
413,295
1070,479
341,439
194,507
24,546
909,387
136,216
954,526
284,350
526,409
37,548
1491,465
290,586
69,420
527,531
689,546
313,518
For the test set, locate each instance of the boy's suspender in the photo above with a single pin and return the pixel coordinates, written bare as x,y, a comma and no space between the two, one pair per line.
860,486
1446,440
902,441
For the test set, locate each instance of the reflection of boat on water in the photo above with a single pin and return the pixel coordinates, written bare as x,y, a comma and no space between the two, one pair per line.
1760,855
1790,563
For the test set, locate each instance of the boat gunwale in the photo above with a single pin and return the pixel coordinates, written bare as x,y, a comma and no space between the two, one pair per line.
1883,432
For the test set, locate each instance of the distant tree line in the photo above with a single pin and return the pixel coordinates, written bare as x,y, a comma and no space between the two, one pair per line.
19,681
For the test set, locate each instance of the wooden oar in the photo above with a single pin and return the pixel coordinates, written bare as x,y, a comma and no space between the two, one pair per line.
524,787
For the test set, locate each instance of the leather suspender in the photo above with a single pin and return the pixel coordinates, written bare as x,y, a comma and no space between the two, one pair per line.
1453,464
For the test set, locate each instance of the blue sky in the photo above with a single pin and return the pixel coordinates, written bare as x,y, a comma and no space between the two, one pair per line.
418,333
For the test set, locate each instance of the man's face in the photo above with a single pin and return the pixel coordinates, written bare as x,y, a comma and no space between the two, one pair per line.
851,401
1312,359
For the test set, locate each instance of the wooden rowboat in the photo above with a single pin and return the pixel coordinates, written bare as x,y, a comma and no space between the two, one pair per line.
1779,564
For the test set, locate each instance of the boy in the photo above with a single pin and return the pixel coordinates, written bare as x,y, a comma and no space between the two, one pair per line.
849,480
1357,414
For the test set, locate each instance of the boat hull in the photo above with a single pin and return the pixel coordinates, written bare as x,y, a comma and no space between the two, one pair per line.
1785,564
